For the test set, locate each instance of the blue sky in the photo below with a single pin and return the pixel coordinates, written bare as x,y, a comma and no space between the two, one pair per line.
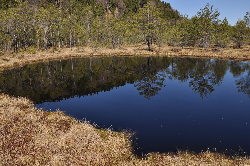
232,9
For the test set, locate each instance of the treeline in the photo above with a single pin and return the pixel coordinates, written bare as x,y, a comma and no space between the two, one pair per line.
41,24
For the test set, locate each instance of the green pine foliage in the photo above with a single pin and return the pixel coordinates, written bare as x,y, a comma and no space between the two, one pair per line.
240,33
43,24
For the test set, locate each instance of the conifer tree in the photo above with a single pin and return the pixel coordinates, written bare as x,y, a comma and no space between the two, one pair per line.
222,33
240,33
148,23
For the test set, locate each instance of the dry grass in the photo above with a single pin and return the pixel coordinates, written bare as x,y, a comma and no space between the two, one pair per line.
9,60
34,137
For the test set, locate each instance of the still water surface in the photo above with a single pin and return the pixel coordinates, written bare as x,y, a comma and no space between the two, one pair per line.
170,104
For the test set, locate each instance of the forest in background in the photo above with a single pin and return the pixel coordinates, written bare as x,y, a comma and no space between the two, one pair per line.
42,24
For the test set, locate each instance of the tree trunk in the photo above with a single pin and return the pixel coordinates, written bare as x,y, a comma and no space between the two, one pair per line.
45,38
59,42
149,43
70,39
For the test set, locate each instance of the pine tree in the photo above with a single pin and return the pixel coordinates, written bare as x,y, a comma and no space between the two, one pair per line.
222,33
240,33
148,22
207,18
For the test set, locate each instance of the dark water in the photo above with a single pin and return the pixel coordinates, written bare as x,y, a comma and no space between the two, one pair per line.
170,103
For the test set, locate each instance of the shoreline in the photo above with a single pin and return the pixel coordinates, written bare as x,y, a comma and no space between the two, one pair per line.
8,61
33,136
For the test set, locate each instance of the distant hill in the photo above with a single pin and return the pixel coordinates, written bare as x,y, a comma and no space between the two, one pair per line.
128,6
119,7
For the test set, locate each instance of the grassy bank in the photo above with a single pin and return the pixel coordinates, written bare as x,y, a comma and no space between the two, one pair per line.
9,60
35,137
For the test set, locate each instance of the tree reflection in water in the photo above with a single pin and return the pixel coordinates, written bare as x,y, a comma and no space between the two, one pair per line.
77,77
150,86
241,70
243,84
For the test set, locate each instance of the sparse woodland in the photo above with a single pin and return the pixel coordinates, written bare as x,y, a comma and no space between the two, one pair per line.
42,24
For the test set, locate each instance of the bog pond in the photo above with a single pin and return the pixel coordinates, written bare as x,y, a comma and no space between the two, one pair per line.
169,104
